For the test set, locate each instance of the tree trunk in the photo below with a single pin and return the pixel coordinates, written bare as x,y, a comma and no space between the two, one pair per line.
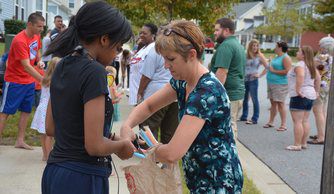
170,11
327,177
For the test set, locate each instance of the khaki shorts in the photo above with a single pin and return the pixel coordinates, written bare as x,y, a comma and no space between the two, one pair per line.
165,119
277,92
323,97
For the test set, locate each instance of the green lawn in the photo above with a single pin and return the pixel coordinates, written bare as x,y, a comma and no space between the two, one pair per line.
32,138
2,48
10,132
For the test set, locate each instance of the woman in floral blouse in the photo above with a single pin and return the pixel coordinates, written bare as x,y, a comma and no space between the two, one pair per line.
204,138
323,62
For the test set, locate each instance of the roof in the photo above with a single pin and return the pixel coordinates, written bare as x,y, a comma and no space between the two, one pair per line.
242,8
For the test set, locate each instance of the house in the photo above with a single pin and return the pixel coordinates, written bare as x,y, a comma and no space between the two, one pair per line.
310,38
248,16
20,9
64,8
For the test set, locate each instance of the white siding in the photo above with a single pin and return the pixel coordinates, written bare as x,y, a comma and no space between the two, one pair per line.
7,7
255,11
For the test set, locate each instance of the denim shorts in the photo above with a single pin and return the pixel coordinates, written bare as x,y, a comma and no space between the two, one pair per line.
299,103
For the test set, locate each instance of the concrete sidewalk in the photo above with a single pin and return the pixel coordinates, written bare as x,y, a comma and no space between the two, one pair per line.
21,170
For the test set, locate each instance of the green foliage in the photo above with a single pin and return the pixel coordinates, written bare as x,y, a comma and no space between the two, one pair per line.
161,12
267,51
324,17
292,51
14,26
249,187
2,48
282,20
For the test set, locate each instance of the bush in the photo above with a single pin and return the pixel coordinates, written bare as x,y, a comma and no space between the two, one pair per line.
14,26
292,51
267,51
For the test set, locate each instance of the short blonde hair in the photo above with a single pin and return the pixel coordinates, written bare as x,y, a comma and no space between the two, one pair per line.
183,35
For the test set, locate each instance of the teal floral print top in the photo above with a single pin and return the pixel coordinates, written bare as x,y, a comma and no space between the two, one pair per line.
211,164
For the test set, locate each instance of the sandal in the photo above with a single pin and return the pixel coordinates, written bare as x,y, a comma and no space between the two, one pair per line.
313,136
304,146
315,142
281,128
250,122
268,125
294,148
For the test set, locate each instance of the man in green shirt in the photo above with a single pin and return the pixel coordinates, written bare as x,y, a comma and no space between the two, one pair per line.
228,63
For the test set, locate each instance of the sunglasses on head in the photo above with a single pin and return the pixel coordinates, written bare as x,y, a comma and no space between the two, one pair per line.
169,31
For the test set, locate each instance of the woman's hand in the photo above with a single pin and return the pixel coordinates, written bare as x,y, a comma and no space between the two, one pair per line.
127,149
271,68
300,94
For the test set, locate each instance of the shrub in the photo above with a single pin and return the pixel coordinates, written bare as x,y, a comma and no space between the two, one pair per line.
14,26
267,51
292,51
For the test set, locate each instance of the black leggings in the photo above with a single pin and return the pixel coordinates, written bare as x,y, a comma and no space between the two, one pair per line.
116,65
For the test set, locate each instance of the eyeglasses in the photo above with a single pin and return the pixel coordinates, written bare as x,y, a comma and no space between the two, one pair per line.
168,31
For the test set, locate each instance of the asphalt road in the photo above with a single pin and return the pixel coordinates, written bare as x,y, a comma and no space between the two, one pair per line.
300,170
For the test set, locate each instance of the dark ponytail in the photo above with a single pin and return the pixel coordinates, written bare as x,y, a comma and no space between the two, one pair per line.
92,21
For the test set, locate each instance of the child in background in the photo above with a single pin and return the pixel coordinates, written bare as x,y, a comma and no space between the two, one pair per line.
38,122
114,94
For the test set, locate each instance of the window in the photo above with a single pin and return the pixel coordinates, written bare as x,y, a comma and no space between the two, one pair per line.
16,16
22,13
53,9
71,3
269,38
0,8
39,5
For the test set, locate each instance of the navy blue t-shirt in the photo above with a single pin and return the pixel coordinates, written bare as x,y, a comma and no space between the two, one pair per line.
75,81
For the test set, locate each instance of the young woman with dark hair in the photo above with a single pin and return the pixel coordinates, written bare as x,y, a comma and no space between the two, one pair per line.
79,108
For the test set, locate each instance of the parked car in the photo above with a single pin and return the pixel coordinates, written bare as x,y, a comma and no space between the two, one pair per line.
209,45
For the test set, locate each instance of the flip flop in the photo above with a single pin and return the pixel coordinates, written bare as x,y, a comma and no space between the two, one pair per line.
249,122
315,142
313,136
281,128
268,125
294,148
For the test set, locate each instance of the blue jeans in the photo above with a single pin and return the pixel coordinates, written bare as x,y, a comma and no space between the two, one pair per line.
251,89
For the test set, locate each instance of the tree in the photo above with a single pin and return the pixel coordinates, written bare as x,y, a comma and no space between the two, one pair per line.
282,20
323,18
162,11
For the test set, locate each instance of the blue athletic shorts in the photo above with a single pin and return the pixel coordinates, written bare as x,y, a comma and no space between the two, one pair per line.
17,97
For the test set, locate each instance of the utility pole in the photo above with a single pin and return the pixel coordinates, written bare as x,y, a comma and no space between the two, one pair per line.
327,175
